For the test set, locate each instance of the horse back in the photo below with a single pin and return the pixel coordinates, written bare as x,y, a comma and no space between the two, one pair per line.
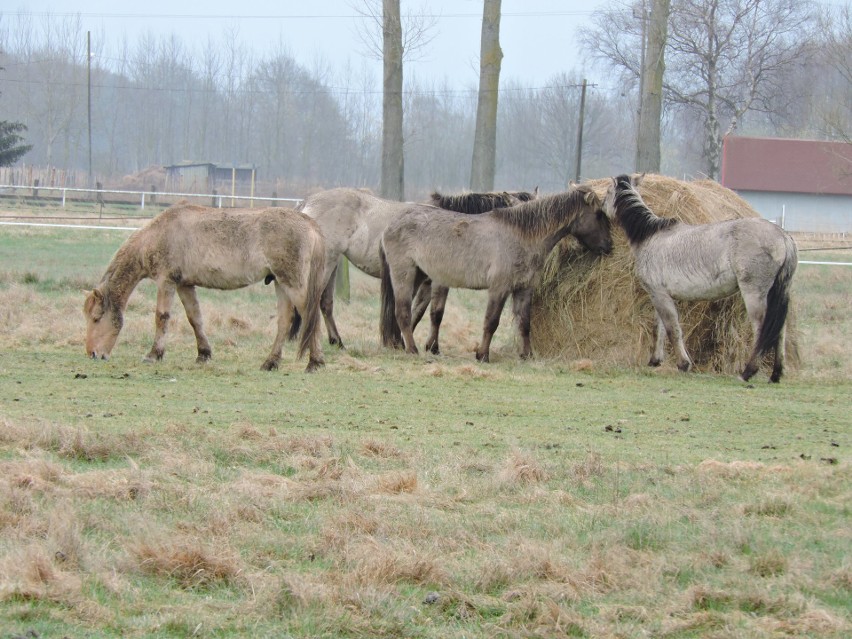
710,261
454,249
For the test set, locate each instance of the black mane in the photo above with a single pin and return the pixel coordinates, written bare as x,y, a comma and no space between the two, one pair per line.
637,220
476,203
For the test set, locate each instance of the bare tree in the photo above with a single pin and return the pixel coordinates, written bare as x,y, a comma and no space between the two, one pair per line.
484,160
418,29
651,100
725,57
836,51
393,168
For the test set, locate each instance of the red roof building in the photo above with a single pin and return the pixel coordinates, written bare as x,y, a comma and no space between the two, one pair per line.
804,184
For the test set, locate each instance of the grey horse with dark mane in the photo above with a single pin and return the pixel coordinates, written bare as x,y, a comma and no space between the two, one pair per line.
679,261
503,251
352,221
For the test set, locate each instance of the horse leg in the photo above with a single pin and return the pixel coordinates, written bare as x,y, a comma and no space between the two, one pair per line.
667,312
496,301
522,309
327,307
421,302
285,315
778,364
659,353
193,313
165,297
315,356
404,290
755,304
436,315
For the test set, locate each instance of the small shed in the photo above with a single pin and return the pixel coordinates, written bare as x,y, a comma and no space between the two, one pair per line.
206,177
804,185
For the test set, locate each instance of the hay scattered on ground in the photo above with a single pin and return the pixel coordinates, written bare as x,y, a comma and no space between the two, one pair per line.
590,308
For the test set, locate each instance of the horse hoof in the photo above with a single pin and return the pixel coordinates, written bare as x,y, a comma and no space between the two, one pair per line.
202,359
269,365
314,365
655,362
748,373
683,368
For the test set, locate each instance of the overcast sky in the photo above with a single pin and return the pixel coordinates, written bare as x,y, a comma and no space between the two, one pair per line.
538,37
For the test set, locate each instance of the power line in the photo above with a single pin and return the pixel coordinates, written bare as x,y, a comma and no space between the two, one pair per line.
318,91
200,16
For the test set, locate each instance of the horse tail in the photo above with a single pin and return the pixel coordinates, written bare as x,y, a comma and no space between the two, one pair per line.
295,325
778,299
388,326
316,284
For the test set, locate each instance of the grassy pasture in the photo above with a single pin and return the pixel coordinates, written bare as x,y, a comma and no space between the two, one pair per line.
390,496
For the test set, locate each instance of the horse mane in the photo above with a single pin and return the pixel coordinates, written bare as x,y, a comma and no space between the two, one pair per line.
638,221
476,203
543,216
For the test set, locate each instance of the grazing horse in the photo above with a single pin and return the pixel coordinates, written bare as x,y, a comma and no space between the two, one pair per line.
679,261
503,251
352,221
188,246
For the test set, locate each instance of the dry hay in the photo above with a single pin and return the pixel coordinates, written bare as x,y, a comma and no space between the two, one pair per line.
596,309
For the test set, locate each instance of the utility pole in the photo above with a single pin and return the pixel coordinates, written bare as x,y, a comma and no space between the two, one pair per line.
651,86
89,85
579,161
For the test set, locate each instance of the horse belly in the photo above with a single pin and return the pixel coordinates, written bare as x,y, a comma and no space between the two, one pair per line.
226,274
445,271
363,251
695,285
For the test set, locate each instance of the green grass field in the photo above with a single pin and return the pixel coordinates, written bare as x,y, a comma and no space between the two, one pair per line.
393,496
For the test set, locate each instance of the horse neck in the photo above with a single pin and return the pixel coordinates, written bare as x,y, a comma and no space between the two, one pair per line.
124,272
543,218
638,221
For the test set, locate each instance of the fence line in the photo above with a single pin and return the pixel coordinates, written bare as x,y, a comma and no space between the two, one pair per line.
142,195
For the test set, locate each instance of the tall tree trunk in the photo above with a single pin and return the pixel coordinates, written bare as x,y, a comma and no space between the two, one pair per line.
650,112
393,168
484,163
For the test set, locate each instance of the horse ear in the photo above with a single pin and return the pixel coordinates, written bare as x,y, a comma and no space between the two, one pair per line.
638,178
591,198
535,191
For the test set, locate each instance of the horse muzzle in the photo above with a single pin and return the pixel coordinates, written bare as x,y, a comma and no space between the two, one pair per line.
103,356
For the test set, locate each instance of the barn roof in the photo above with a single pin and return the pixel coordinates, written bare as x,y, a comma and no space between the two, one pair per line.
786,165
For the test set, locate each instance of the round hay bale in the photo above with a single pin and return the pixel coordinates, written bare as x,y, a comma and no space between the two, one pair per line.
590,308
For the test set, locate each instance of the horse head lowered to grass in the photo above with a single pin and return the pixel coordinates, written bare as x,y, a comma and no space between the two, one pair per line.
679,261
502,251
188,246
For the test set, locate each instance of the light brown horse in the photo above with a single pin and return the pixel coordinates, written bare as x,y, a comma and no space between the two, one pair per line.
502,251
188,246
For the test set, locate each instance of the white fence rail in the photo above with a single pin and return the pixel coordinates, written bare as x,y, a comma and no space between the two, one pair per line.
96,195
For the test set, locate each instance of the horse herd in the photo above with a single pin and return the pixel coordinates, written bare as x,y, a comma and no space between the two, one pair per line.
493,241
